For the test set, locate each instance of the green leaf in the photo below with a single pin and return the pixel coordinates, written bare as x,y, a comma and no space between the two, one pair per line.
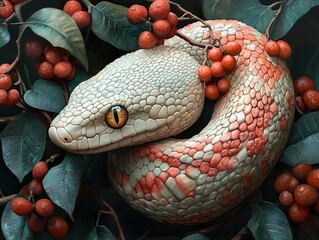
306,62
60,30
303,142
109,23
13,226
196,236
100,232
45,95
62,182
269,222
4,35
291,12
79,77
259,16
23,144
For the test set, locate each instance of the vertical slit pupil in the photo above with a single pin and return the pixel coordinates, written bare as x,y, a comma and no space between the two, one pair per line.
116,115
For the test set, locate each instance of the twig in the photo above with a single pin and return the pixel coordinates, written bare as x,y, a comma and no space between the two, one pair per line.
5,199
243,231
191,41
274,17
6,120
52,158
114,216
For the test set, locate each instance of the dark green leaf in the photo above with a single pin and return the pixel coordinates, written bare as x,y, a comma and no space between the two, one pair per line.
13,226
269,222
100,232
23,144
259,16
79,77
4,35
196,236
109,23
45,95
303,143
306,62
60,30
62,182
251,12
291,12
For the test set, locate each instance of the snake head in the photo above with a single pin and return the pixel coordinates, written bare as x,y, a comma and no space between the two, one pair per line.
140,97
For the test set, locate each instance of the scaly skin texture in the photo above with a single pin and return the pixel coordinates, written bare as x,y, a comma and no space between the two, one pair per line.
194,180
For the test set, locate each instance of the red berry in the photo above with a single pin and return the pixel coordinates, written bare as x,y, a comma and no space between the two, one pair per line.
4,67
35,187
229,63
57,227
316,208
311,99
36,223
301,171
161,28
300,104
159,9
272,48
160,41
172,19
62,69
21,206
211,92
172,33
204,73
233,48
3,96
7,10
46,70
302,84
39,170
5,81
298,213
313,178
305,195
54,55
215,54
82,19
136,14
13,97
285,181
44,207
71,7
217,69
285,49
147,40
33,48
286,198
15,1
72,74
223,85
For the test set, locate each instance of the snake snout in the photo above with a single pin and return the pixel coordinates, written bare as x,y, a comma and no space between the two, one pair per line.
59,136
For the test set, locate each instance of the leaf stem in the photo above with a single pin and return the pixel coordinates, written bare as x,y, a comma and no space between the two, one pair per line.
281,3
243,231
114,216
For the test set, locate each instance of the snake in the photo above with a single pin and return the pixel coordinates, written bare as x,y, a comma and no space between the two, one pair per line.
133,108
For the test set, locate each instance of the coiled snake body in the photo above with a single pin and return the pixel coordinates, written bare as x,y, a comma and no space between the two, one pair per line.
193,180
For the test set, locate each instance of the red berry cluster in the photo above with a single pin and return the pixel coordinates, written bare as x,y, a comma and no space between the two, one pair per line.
306,95
74,9
7,10
298,191
8,95
53,62
278,48
41,214
162,20
221,62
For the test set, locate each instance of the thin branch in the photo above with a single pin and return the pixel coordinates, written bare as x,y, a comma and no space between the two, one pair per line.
6,120
114,216
52,158
243,231
191,41
5,199
274,17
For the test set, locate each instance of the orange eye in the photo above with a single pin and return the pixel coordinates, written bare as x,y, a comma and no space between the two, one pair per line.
116,116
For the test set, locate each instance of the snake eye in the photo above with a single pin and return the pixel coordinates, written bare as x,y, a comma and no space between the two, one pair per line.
116,116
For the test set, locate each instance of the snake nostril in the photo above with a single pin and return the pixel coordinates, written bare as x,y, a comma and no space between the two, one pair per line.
63,135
